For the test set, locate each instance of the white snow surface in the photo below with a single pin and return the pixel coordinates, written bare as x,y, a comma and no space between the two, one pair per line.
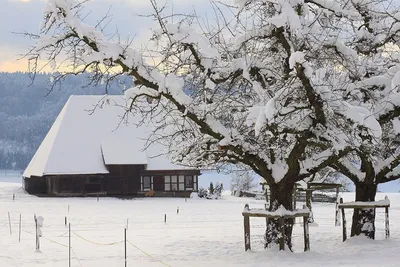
204,233
82,141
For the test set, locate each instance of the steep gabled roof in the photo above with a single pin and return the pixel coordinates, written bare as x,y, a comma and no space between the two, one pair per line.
83,142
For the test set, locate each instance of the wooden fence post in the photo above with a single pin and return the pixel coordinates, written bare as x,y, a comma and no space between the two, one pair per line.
344,221
247,245
9,222
387,220
125,247
246,222
308,204
306,232
69,244
282,230
20,221
337,214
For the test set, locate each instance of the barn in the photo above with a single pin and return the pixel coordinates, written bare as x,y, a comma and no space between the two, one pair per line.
91,150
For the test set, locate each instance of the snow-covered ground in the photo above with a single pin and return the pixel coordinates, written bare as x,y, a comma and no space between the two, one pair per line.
204,233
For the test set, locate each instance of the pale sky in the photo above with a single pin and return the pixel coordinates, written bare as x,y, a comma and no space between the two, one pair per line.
18,16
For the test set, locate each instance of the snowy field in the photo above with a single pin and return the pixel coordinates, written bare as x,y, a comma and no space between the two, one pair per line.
204,233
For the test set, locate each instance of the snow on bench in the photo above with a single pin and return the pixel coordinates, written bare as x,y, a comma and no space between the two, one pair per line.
372,204
280,212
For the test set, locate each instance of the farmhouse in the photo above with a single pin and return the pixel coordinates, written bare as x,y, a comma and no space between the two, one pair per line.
90,150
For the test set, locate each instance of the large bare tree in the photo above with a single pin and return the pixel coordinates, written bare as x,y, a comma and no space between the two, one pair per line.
263,85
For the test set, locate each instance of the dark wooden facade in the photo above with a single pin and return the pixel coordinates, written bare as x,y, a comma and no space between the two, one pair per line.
128,180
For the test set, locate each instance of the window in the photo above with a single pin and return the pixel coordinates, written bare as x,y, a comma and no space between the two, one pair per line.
167,187
189,181
180,182
174,187
146,182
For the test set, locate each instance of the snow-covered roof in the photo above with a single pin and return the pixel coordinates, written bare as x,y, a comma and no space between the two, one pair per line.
119,152
83,142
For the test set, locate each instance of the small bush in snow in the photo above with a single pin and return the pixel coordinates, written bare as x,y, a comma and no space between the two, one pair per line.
202,193
211,188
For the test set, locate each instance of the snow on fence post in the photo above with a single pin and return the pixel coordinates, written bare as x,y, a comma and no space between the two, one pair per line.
39,225
387,233
9,222
125,246
337,213
344,221
127,223
246,230
306,232
19,235
69,244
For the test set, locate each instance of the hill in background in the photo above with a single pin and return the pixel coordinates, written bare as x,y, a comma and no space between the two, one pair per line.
27,111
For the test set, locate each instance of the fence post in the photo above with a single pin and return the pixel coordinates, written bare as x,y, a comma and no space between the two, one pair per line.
13,197
127,223
9,222
306,232
246,222
282,230
344,221
177,210
19,235
125,246
308,204
165,218
337,214
69,244
247,233
387,220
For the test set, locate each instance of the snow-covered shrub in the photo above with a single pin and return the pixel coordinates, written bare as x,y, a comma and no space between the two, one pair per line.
219,187
202,193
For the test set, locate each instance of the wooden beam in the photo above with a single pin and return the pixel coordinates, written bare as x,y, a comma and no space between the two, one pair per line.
247,233
273,216
344,222
387,233
337,220
362,206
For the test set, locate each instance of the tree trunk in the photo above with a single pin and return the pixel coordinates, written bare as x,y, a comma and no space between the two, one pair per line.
364,219
280,195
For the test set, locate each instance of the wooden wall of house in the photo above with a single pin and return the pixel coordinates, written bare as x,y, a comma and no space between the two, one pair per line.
123,179
35,185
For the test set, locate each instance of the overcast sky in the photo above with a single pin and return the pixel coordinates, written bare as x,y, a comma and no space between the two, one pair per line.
18,16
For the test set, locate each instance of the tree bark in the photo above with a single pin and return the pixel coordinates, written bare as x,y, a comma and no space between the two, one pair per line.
364,219
280,195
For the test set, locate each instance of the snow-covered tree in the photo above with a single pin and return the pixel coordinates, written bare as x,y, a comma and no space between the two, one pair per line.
242,181
270,89
369,60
